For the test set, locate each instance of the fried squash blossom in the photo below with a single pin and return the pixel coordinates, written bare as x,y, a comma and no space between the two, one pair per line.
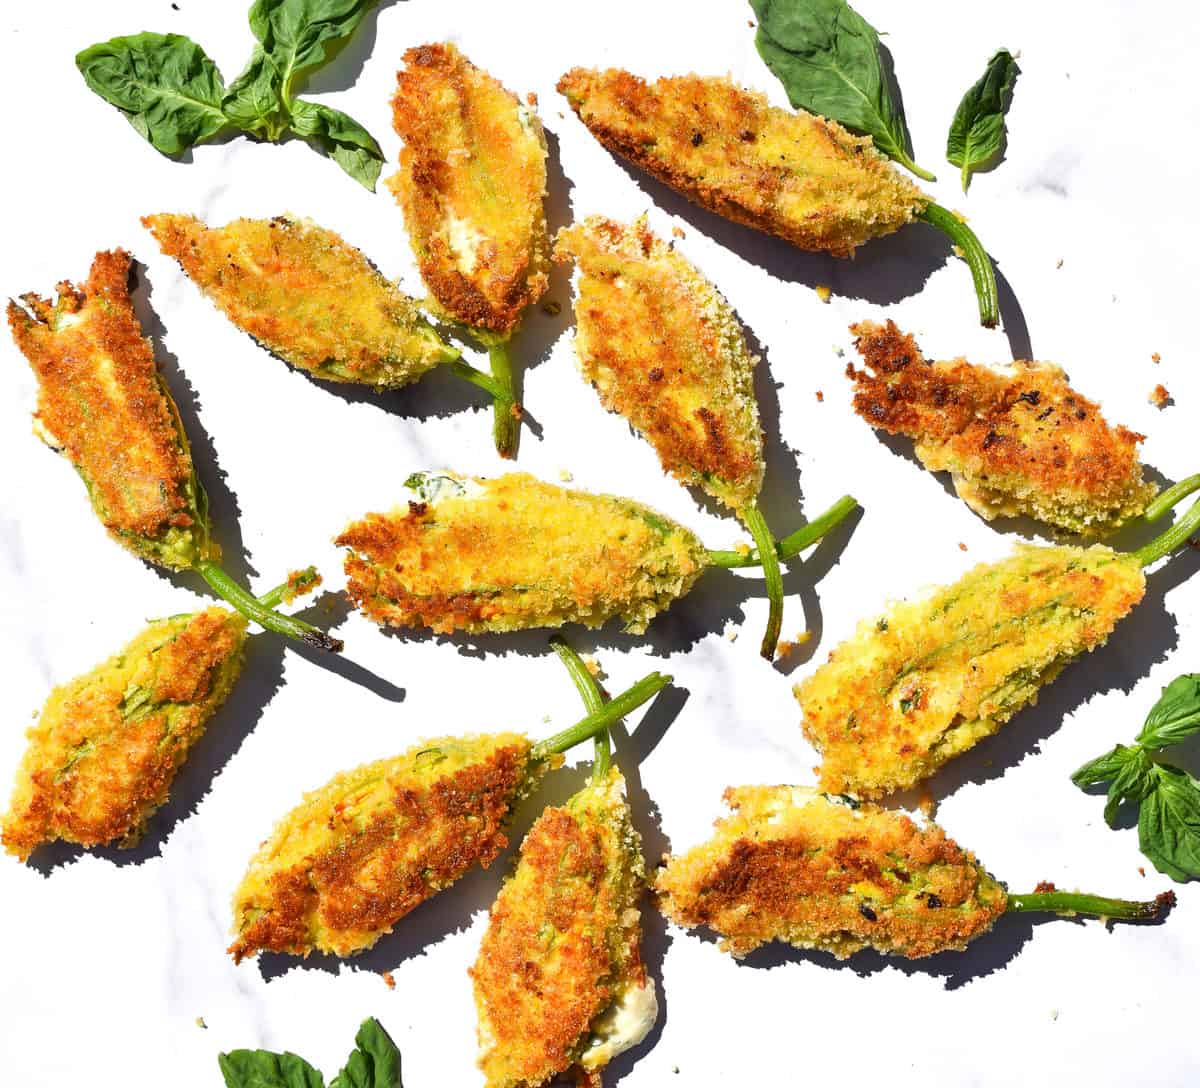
931,678
793,175
107,745
794,865
307,296
559,980
1017,441
662,348
103,405
471,185
514,552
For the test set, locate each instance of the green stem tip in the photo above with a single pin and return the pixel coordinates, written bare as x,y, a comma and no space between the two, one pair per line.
612,711
506,412
973,253
907,162
295,586
1069,903
263,614
773,577
481,379
593,700
1179,533
794,543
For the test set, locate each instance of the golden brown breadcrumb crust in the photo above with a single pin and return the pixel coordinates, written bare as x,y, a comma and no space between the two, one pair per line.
664,350
471,184
1022,442
103,404
107,745
932,677
422,832
796,866
794,175
558,943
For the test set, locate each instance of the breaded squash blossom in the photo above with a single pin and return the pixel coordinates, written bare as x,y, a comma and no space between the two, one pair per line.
1015,441
823,872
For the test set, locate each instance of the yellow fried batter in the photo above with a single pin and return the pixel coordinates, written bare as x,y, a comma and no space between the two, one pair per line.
307,296
790,174
932,677
106,747
513,553
103,404
664,350
795,865
471,184
1019,441
559,979
355,856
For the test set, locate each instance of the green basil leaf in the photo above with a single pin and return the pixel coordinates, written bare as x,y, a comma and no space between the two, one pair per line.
298,34
1134,780
1175,716
826,56
265,1069
374,1063
977,131
1103,768
342,138
254,101
165,84
1169,824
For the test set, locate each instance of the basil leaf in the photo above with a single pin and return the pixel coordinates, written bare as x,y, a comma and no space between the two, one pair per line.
374,1063
977,131
165,84
1133,782
1102,768
254,101
265,1069
826,56
342,138
1169,824
1175,716
298,34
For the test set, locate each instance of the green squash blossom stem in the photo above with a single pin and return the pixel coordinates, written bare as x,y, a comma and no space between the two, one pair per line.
599,720
593,699
1126,910
772,576
265,616
506,414
792,544
973,253
1179,533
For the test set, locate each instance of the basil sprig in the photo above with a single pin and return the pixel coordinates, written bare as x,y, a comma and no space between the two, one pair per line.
977,131
1168,797
826,56
374,1063
173,94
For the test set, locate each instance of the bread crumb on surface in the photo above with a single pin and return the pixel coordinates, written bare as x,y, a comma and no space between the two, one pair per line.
732,634
1141,870
824,292
961,546
565,475
1159,396
742,548
1060,263
593,666
552,307
200,1023
677,232
1156,358
531,99
820,397
387,976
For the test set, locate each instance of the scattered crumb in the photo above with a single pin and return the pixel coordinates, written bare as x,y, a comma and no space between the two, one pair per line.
1060,263
732,634
824,292
750,24
820,397
839,352
927,804
200,1019
531,99
1141,870
1159,396
565,476
1156,358
545,717
387,976
961,546
552,307
675,1068
561,117
516,411
742,548
803,637
1054,1014
1045,886
593,666
957,250
678,232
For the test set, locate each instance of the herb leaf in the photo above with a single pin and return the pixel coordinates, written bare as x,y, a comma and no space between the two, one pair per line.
1133,782
1169,824
254,101
340,137
298,34
265,1069
977,131
1103,768
165,84
1175,716
826,56
374,1062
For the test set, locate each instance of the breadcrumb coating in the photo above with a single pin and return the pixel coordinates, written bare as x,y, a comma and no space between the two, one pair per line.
355,856
471,185
663,348
562,943
1018,441
794,175
794,865
307,296
515,552
106,747
932,677
103,404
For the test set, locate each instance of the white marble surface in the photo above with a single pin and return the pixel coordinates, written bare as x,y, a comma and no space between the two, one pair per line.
109,958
